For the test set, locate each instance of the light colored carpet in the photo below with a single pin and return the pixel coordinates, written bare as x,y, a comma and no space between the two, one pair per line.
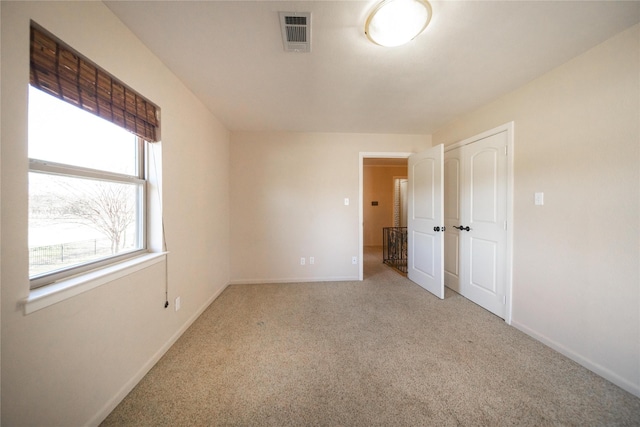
378,352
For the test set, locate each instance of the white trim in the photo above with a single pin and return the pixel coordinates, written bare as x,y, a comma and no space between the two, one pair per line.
134,380
605,373
486,134
509,128
382,166
52,168
369,155
294,280
56,292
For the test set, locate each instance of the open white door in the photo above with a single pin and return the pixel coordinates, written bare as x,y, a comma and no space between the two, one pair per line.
425,220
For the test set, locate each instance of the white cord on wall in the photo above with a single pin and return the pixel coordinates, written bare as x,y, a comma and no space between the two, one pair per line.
164,238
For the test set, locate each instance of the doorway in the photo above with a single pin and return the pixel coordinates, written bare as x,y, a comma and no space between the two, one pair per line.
380,206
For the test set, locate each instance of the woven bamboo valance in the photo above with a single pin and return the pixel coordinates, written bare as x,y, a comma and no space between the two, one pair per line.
65,74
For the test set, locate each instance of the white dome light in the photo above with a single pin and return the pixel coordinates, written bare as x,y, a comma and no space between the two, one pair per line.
396,22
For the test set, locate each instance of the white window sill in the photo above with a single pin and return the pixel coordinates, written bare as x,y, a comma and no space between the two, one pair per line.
59,291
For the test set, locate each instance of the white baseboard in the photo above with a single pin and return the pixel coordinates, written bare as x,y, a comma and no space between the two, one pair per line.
294,280
605,373
126,389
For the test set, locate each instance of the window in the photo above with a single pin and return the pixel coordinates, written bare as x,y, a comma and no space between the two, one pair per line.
87,166
86,193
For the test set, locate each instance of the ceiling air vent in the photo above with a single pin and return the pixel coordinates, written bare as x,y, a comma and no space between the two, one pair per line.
296,31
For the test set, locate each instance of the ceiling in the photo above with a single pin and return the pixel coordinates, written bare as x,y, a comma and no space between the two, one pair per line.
231,55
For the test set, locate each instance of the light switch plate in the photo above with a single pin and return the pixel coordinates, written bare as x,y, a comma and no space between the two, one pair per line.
539,199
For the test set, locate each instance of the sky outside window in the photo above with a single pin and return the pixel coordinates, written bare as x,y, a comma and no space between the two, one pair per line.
63,133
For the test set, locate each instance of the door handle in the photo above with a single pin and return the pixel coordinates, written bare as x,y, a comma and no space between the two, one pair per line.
461,228
443,228
436,228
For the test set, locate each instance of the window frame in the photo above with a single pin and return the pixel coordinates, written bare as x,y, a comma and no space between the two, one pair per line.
142,183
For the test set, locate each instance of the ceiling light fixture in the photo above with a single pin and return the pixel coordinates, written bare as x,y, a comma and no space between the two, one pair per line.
396,22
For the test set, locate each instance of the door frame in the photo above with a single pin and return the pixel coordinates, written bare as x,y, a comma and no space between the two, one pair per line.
509,128
369,155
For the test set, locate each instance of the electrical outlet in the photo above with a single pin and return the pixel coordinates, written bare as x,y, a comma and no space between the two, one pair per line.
354,260
311,260
302,261
177,303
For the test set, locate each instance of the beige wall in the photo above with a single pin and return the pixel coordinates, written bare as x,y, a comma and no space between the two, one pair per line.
68,364
378,186
287,202
576,283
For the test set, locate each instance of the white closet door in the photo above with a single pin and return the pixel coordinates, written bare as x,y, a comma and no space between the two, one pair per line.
425,220
452,171
483,222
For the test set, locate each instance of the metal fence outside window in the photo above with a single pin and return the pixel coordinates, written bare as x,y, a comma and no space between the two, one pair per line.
67,253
